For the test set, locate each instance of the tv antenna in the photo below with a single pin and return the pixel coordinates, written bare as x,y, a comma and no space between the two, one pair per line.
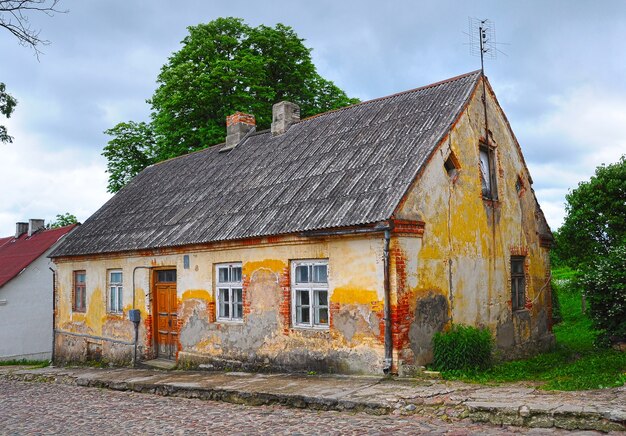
482,40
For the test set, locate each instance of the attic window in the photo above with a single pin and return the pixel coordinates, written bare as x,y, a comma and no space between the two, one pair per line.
452,165
488,172
519,185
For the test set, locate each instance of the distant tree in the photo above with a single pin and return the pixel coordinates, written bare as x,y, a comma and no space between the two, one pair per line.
14,17
130,151
595,216
225,66
7,105
63,220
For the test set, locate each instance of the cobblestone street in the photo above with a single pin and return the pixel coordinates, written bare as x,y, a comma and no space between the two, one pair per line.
50,408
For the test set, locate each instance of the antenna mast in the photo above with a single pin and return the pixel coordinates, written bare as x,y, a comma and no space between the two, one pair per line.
482,42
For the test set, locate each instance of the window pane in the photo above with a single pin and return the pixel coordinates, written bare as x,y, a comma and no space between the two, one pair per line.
116,277
321,298
517,266
222,274
224,303
80,278
237,295
320,273
112,296
237,310
302,315
302,274
166,276
119,299
302,298
485,172
235,274
321,316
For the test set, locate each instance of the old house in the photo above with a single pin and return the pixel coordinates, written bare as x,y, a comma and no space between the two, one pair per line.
26,294
341,242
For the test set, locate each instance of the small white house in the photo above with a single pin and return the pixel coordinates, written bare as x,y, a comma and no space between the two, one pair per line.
26,291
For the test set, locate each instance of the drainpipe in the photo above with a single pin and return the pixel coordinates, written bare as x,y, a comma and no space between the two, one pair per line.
387,308
135,317
54,309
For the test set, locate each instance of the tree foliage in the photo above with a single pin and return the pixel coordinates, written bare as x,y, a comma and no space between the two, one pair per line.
593,241
225,66
604,282
63,220
7,106
595,212
130,151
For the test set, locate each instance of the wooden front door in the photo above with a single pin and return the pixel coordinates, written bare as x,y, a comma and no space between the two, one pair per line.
166,305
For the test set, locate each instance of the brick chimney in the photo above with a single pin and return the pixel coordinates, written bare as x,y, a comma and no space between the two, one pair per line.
34,225
20,229
238,125
284,114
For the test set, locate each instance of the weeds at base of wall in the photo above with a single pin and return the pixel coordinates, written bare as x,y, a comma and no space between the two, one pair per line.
462,348
24,362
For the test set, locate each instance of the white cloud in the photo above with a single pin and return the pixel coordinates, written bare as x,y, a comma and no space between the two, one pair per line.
41,180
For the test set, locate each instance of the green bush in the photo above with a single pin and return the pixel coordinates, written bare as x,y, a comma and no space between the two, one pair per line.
462,348
556,305
604,285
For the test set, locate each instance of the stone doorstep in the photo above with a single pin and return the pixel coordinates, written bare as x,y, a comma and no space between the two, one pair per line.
368,395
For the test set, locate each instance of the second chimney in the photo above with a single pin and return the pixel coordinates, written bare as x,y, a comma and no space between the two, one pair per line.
34,225
284,114
238,125
20,229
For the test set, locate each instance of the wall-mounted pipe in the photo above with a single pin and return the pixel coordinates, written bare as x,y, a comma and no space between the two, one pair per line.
54,309
136,321
387,308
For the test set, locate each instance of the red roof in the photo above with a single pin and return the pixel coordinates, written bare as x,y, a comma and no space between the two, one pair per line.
17,254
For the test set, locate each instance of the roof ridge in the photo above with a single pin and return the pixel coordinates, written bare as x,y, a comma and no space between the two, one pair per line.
408,91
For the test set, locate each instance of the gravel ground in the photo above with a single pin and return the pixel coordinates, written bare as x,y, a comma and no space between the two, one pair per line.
50,408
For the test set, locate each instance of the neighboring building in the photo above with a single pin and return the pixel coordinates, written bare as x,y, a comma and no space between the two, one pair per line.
339,243
26,293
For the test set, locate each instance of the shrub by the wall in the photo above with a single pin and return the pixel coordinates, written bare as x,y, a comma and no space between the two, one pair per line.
462,348
605,289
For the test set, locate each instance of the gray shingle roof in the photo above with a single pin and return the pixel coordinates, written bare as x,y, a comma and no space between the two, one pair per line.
343,168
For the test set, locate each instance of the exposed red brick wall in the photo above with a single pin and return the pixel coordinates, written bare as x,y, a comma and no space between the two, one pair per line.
245,284
284,310
149,333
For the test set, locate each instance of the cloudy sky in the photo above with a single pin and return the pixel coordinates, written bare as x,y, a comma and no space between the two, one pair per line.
562,82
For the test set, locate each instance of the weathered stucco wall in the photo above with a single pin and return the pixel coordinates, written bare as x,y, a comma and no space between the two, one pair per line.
463,267
265,338
26,313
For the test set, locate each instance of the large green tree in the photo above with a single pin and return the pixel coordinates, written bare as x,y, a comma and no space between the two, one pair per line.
7,105
595,216
223,66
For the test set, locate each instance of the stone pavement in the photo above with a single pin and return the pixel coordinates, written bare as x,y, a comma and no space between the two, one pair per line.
507,405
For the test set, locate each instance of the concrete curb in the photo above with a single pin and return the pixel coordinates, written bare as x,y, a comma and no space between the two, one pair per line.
515,406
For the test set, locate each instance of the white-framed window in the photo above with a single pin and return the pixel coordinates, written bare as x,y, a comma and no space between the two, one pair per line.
309,293
116,291
229,292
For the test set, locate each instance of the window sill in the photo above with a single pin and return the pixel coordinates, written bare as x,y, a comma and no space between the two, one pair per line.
229,321
324,328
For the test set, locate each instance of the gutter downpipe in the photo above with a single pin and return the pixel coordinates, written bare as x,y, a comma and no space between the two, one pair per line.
54,310
386,228
387,307
136,323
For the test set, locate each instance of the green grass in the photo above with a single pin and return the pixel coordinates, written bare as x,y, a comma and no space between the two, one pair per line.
575,364
24,362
